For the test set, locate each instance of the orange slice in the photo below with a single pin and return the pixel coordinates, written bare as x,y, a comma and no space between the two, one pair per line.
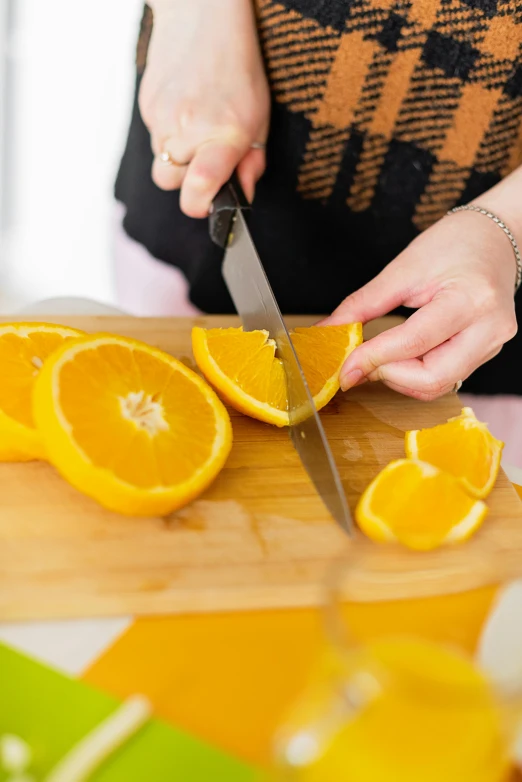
463,447
418,505
244,368
130,426
23,349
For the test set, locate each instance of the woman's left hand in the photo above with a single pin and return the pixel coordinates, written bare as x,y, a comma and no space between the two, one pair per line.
459,275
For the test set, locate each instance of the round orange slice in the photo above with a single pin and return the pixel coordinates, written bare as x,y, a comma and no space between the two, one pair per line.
418,505
23,349
244,367
463,447
129,425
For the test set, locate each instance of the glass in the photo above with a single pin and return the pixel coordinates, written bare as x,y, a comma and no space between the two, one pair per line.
397,706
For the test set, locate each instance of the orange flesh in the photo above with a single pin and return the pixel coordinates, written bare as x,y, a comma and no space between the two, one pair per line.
248,363
248,358
459,449
418,505
136,416
21,358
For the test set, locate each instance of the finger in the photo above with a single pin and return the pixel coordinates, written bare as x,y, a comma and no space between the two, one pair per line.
383,294
168,176
212,166
250,170
165,174
433,324
439,370
421,396
156,144
428,396
492,355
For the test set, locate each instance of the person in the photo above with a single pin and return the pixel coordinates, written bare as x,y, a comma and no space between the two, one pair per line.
379,117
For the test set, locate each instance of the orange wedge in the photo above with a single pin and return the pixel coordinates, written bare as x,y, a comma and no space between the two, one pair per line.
244,368
130,426
463,447
418,505
23,349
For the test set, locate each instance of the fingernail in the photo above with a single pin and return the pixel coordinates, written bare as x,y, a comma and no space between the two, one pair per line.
351,379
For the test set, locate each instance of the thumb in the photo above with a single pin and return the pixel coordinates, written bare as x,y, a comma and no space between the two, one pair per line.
379,297
250,169
211,166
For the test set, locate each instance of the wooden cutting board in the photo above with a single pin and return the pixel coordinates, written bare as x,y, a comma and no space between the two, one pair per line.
258,538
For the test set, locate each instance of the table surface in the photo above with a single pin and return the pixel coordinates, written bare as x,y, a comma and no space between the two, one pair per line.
247,650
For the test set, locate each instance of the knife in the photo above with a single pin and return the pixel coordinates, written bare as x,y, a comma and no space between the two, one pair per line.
257,306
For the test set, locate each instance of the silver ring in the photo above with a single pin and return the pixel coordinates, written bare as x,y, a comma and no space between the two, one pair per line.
258,145
167,160
456,388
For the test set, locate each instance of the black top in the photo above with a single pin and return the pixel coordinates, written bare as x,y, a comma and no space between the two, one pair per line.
322,235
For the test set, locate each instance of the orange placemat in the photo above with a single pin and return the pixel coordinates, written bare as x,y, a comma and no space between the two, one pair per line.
230,678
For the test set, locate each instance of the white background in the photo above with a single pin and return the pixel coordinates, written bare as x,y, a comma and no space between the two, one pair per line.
70,90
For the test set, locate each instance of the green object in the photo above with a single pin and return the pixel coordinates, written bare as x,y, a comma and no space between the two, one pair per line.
52,712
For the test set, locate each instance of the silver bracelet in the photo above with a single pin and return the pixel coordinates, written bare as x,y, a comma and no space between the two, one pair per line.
501,224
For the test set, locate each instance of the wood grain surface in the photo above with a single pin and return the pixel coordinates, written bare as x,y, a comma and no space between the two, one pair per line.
258,538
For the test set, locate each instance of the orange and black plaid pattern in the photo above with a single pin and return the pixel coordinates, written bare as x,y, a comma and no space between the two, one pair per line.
385,113
410,105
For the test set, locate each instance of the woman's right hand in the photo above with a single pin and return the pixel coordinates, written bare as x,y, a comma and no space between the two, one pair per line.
205,98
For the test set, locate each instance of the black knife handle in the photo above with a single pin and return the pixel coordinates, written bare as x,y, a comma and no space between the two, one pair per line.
229,199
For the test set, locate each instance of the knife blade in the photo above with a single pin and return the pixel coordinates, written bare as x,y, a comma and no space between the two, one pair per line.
257,306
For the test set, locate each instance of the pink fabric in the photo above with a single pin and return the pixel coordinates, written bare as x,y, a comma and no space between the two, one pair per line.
148,288
144,286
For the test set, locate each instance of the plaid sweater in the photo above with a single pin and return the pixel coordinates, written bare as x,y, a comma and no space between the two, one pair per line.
407,106
386,113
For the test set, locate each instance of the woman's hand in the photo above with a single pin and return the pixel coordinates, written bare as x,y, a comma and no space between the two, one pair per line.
460,276
205,98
